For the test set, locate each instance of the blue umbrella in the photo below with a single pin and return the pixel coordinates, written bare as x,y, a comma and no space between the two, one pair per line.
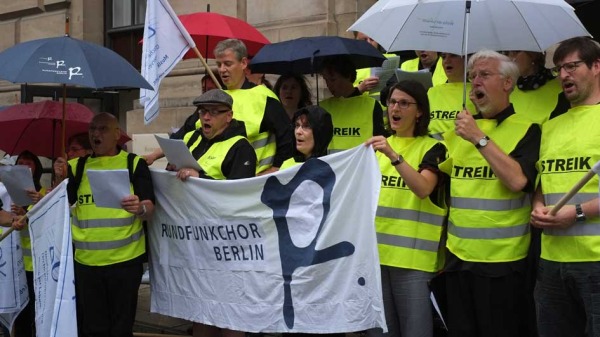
304,55
68,61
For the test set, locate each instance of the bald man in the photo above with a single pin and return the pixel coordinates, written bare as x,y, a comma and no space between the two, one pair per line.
110,244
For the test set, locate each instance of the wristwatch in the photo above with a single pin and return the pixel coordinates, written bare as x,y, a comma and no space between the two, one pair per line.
143,212
482,142
579,215
398,161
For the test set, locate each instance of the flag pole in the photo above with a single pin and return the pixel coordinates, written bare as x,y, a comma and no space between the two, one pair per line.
565,198
210,73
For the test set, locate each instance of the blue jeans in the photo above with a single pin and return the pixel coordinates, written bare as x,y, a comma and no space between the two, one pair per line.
567,298
406,303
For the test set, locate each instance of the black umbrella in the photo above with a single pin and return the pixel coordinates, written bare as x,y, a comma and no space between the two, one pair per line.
304,55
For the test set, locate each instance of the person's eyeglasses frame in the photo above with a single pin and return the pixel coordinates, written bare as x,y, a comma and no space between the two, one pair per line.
484,75
213,112
569,67
402,104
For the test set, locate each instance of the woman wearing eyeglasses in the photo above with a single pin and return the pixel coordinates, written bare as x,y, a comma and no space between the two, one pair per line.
410,214
77,146
537,89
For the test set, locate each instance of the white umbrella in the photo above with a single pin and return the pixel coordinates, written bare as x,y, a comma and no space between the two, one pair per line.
463,27
439,25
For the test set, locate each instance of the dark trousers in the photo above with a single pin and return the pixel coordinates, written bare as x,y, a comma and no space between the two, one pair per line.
481,306
107,299
25,323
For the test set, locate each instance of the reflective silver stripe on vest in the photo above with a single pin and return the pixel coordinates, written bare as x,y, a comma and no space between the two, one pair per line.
579,198
579,229
103,223
437,135
106,245
409,214
26,252
403,241
488,233
490,204
257,144
24,234
266,161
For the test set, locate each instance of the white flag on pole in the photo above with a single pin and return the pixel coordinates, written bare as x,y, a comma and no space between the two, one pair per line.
165,43
294,251
54,282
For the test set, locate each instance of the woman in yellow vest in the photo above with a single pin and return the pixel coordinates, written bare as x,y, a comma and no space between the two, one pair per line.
410,214
25,322
313,131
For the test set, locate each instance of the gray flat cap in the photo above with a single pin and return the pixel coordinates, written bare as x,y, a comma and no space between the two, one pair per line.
214,96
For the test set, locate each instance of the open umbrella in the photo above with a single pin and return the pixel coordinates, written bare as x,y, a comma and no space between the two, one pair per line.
37,126
304,55
68,61
207,29
463,27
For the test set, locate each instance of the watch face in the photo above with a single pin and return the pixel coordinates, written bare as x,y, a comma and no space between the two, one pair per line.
483,142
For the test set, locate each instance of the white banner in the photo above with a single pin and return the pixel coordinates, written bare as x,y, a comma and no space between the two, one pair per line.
165,43
54,283
14,295
293,251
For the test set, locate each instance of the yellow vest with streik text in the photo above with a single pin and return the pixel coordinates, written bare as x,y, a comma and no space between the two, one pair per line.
408,228
104,236
439,75
536,105
445,103
249,106
487,222
570,148
352,119
26,240
212,160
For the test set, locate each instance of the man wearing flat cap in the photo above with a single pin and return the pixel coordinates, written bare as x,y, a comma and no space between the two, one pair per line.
219,145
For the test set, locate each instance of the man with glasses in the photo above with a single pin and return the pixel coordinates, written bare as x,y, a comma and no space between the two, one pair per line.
491,164
220,144
567,292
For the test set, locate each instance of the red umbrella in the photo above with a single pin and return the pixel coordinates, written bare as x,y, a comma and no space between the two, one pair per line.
37,127
208,28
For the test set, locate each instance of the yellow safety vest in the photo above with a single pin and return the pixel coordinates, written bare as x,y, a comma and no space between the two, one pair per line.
104,236
352,119
212,160
249,106
290,162
537,104
445,103
26,240
438,76
408,228
487,222
568,151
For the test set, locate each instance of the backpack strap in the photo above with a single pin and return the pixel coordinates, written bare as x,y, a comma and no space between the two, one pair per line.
79,171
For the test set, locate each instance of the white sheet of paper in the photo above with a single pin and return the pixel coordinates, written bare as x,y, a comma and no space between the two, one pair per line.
109,187
18,180
177,153
423,77
385,72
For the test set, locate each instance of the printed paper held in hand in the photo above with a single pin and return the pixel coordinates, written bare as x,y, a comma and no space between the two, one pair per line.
109,187
385,72
18,180
423,77
178,154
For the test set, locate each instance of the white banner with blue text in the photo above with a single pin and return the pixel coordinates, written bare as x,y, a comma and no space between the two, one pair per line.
14,295
293,251
53,278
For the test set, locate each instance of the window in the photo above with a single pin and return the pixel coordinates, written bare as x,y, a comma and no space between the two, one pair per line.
125,28
128,13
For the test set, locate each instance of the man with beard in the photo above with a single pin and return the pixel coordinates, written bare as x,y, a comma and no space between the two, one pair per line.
491,164
568,286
